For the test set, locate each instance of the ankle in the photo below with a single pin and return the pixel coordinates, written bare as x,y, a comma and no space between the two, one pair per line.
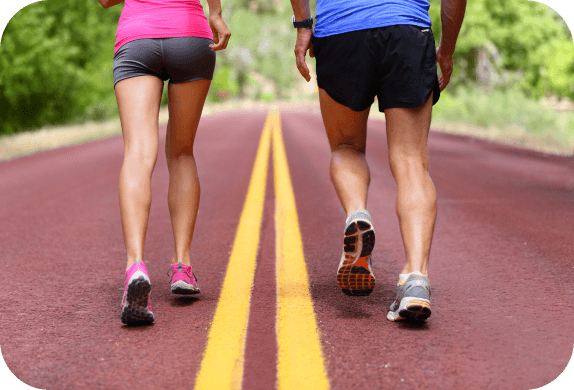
132,261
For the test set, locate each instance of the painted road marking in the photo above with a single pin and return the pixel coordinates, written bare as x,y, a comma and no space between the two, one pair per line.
222,364
300,362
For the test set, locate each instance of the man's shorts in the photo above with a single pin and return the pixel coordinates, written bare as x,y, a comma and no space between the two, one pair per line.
395,63
178,60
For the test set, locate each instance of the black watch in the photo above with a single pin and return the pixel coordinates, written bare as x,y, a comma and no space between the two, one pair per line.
303,24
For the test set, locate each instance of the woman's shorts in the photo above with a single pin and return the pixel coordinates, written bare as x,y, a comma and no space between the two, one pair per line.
178,60
395,63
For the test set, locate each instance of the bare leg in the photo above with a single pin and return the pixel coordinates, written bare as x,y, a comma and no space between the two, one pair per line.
138,102
347,133
407,133
185,105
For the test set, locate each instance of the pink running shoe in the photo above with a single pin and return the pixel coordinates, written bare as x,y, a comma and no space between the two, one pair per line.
136,305
183,279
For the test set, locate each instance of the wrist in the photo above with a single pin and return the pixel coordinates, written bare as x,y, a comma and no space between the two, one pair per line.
215,14
302,24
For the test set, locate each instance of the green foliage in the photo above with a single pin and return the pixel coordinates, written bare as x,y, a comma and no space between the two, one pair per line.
528,42
262,41
56,57
55,63
223,81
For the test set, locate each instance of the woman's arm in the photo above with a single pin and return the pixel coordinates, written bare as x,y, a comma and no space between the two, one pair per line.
110,3
219,29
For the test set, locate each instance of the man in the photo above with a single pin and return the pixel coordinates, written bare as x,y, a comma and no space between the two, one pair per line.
383,48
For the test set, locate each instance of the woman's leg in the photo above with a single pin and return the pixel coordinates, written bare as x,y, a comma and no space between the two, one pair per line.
138,102
185,102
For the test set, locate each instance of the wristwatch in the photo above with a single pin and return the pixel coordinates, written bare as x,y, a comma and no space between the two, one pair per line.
303,24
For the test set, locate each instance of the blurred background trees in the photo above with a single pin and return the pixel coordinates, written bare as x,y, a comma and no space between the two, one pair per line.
56,57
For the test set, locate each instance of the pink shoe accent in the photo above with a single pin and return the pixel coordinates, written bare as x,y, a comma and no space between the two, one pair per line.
183,280
136,304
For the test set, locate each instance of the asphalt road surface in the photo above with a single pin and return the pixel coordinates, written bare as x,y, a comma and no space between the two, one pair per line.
267,244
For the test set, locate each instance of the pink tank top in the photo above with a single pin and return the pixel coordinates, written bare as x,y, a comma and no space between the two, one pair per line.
161,19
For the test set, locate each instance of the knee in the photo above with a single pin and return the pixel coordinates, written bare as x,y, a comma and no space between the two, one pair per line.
143,157
405,164
178,153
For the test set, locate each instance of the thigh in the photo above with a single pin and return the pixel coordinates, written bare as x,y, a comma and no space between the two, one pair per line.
344,126
185,102
407,134
138,103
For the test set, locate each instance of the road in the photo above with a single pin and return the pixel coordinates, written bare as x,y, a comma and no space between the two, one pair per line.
266,248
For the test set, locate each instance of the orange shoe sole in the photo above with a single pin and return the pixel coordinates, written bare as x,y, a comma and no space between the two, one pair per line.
355,277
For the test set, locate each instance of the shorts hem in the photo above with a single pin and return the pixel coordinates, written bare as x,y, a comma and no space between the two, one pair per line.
436,97
190,80
341,102
132,75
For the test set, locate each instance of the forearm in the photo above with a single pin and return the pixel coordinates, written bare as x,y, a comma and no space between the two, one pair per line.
451,15
301,9
214,7
110,3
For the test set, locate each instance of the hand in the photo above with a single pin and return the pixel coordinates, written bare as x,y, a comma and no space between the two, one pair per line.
221,33
301,46
446,67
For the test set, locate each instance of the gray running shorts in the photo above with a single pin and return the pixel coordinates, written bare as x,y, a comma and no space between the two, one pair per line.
178,60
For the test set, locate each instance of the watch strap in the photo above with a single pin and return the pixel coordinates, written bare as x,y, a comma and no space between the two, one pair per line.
303,24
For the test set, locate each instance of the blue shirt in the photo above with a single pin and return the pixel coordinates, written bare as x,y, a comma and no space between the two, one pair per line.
341,16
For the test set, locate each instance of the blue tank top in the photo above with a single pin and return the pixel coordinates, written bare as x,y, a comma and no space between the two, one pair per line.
341,16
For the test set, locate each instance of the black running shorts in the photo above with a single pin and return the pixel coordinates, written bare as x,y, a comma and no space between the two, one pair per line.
178,60
395,63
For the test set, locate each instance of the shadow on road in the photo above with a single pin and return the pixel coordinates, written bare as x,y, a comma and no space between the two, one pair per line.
183,301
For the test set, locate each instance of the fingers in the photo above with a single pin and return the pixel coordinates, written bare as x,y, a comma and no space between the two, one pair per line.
302,65
221,42
311,50
221,34
301,46
446,67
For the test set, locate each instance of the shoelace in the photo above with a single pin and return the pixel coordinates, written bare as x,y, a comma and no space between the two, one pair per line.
186,271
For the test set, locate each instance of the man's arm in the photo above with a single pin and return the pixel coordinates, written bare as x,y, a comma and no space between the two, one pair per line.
451,15
110,3
302,12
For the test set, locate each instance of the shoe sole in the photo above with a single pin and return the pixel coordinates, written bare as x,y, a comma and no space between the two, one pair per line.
180,287
354,277
135,310
411,309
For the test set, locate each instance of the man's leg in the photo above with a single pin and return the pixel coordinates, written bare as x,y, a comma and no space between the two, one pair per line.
347,133
407,133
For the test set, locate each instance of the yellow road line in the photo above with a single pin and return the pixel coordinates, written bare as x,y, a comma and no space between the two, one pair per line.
300,362
222,364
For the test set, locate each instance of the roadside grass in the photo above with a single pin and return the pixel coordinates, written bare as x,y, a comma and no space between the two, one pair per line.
508,117
503,117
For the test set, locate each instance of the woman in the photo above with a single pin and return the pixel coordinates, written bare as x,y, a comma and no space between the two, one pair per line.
161,40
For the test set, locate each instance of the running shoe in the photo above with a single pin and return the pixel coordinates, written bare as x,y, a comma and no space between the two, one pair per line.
355,275
413,298
183,280
136,304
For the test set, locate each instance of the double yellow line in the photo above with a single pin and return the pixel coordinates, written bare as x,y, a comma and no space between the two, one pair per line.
300,362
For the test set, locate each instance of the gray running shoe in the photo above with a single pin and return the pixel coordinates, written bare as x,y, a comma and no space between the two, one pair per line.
355,275
413,299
